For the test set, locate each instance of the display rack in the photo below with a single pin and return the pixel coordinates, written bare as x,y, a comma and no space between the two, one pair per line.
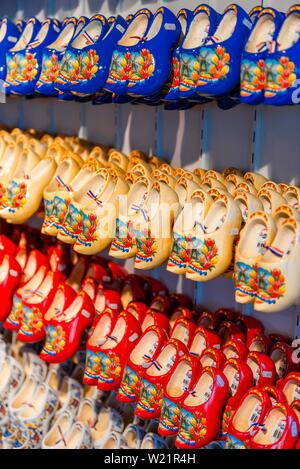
264,139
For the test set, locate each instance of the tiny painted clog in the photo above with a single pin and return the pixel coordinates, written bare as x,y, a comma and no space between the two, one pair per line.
204,338
282,356
263,368
290,386
235,348
212,357
184,330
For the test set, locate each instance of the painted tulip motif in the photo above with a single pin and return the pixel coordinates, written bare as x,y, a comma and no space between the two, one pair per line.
135,66
206,256
280,75
80,67
192,428
220,60
147,246
92,367
125,236
271,285
50,68
246,277
131,384
55,339
253,76
32,320
15,196
110,368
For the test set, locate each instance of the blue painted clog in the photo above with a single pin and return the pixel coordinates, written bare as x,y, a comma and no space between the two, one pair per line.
13,64
53,54
254,13
150,62
28,61
202,26
184,17
282,67
121,67
9,36
78,63
262,40
20,25
220,57
98,56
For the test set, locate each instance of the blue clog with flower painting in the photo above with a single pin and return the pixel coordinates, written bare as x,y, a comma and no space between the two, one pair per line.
220,57
9,36
80,62
27,62
13,64
99,55
254,13
202,25
282,67
184,17
262,40
53,54
150,62
127,51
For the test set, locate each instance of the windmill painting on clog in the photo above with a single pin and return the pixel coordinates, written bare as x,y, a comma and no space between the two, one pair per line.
262,40
281,65
54,53
27,62
80,61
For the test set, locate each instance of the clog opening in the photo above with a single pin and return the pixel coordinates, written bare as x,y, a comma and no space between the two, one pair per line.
75,436
155,26
153,203
165,359
253,238
289,32
88,288
36,404
100,301
183,24
42,34
284,241
24,394
73,310
86,414
88,35
57,305
61,175
262,35
181,332
40,170
247,414
77,274
103,328
226,26
135,31
257,346
216,216
131,438
242,204
33,284
4,268
180,379
198,344
105,192
197,31
202,390
25,38
64,392
274,427
10,153
61,43
233,377
254,368
176,315
3,30
280,361
43,291
147,444
146,347
291,390
90,189
208,359
292,198
147,322
60,428
102,426
117,333
230,352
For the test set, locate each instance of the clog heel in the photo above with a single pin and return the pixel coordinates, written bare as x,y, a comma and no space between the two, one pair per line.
26,60
54,53
155,378
213,249
185,230
99,217
249,415
143,355
153,238
113,358
125,56
176,390
201,410
278,269
24,196
63,332
257,234
72,225
131,215
66,170
260,43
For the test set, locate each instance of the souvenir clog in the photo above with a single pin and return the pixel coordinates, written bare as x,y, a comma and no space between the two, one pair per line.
282,212
159,373
143,355
113,358
290,386
262,40
175,392
102,327
56,437
153,441
228,330
9,36
63,333
204,338
10,277
133,436
281,64
235,348
109,422
260,343
256,236
12,377
263,368
183,330
200,414
154,318
282,356
24,64
278,269
212,357
69,396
